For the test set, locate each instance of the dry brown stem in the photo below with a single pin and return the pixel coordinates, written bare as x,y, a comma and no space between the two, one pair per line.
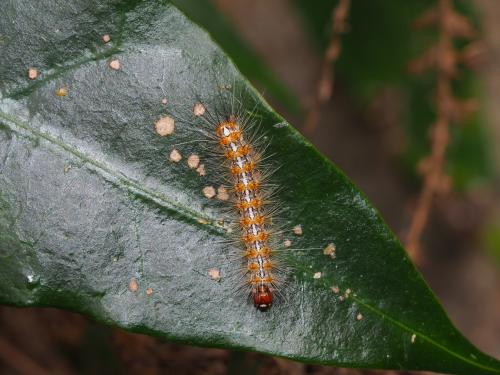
324,88
443,59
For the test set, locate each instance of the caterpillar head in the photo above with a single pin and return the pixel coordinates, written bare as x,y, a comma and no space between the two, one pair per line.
262,297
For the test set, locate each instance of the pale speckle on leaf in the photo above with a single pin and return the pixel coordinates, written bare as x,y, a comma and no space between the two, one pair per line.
201,170
297,230
115,64
175,156
193,161
214,274
330,250
62,91
209,192
165,126
32,73
198,109
347,293
222,193
133,285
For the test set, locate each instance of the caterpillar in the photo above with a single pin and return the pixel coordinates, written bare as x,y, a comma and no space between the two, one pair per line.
249,202
236,146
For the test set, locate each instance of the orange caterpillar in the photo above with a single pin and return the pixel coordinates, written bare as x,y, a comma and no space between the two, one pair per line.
249,203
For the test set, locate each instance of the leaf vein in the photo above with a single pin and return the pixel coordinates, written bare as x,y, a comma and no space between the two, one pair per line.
124,182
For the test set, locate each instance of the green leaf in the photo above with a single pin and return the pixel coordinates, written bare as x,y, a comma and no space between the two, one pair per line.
89,201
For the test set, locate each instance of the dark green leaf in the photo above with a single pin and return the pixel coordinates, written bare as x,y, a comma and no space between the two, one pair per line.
88,201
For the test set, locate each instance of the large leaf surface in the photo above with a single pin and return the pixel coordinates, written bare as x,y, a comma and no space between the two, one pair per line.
88,201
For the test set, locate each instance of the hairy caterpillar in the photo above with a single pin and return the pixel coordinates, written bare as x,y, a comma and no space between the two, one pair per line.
237,144
249,202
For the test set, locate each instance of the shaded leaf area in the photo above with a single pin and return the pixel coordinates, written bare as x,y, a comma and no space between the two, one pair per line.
376,50
89,201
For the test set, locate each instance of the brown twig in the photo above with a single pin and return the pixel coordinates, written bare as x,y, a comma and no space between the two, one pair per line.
444,59
324,88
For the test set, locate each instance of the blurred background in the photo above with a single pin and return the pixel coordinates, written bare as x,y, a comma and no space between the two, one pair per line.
370,83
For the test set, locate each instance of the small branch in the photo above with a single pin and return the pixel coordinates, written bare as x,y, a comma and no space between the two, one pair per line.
444,59
324,88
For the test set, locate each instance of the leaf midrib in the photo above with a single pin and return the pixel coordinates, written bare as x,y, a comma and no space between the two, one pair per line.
421,335
407,328
191,215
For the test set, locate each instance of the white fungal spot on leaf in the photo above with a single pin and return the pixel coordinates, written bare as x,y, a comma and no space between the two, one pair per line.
222,193
214,273
201,170
193,161
209,192
133,285
114,64
175,156
62,91
297,230
198,109
165,126
32,73
347,293
330,250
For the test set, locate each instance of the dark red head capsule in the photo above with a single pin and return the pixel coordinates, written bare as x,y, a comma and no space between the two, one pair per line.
262,297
